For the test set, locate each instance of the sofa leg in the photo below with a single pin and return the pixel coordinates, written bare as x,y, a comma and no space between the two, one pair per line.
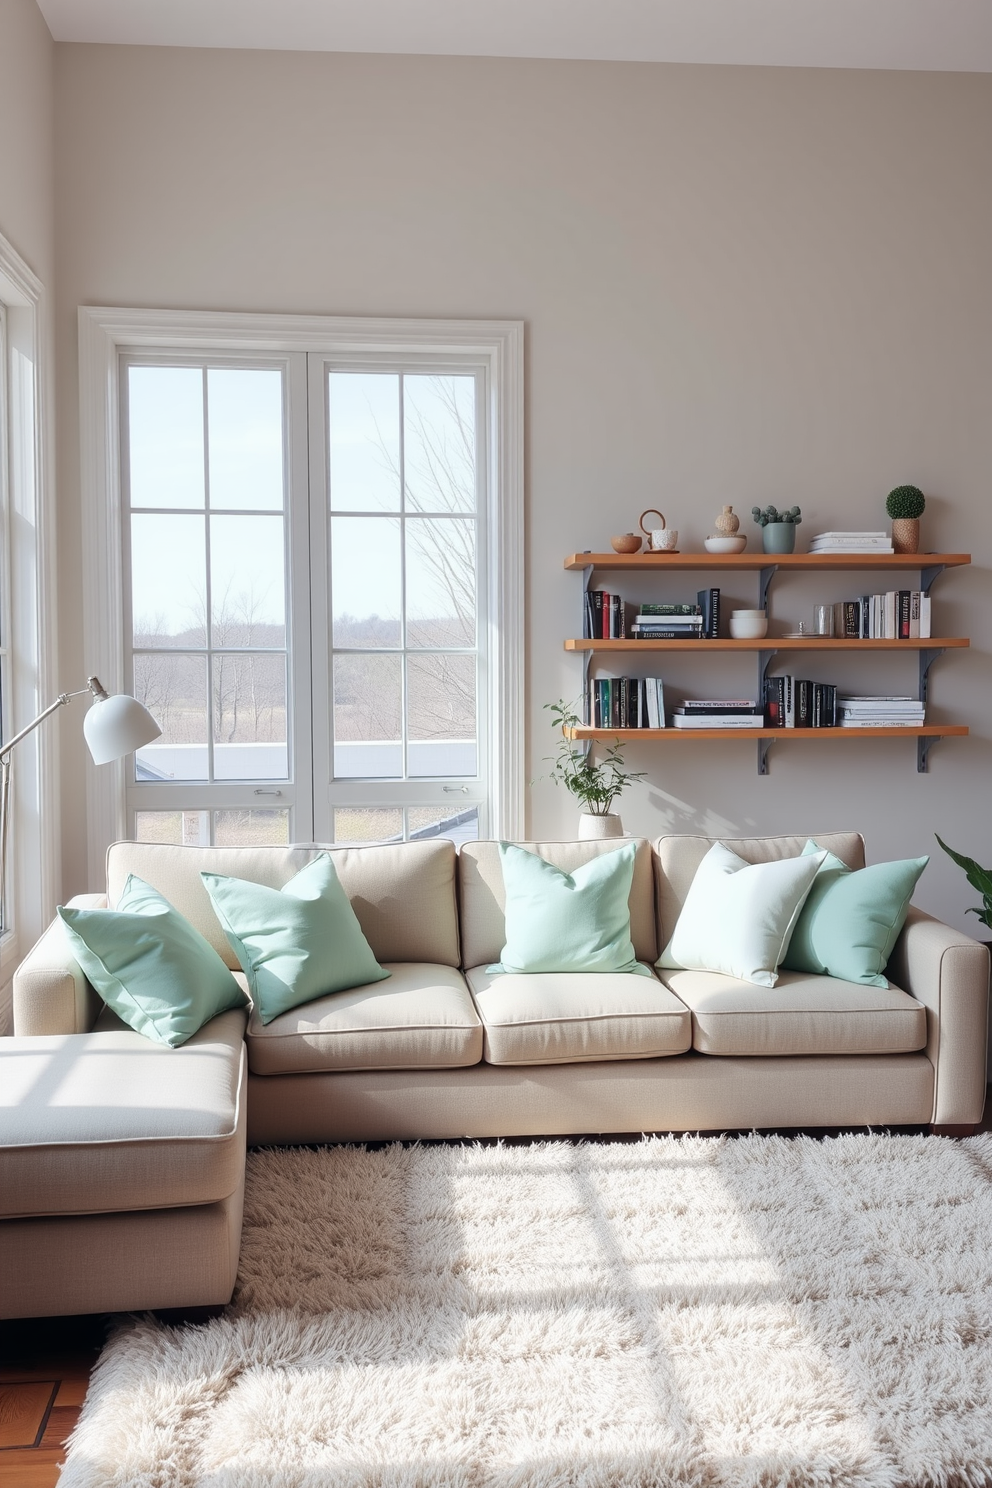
955,1131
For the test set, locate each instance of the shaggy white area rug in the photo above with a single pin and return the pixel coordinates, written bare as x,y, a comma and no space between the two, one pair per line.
679,1313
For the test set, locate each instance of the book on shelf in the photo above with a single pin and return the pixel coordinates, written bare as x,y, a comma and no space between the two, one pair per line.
708,601
899,614
719,705
799,703
734,720
880,712
668,609
604,616
851,542
625,702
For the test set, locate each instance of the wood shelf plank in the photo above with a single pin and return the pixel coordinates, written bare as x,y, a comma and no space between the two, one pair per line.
928,731
771,643
742,562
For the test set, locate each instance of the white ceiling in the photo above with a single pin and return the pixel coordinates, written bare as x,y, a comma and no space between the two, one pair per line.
930,35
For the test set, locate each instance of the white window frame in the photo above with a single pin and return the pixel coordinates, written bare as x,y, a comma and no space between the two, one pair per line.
104,333
33,877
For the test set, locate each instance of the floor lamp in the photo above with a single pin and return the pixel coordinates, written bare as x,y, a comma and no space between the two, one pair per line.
113,727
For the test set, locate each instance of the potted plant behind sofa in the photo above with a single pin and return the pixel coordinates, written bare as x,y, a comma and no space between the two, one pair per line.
595,787
979,878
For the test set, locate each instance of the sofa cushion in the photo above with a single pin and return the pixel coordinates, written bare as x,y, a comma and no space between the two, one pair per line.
483,897
422,1018
676,859
403,893
106,1121
801,1015
569,1017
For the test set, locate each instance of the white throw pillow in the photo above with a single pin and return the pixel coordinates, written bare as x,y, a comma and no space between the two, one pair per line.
738,917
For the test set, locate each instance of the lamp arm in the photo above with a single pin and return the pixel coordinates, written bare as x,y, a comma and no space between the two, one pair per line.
59,702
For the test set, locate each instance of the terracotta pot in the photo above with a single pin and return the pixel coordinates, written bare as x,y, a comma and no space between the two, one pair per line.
591,825
906,534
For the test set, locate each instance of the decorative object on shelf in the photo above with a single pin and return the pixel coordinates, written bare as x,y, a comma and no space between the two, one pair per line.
727,524
595,787
778,529
661,539
724,544
748,625
823,619
905,505
626,542
113,727
979,878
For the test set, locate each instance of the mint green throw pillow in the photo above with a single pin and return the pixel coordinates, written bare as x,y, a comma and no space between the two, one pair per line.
149,964
852,918
295,943
559,921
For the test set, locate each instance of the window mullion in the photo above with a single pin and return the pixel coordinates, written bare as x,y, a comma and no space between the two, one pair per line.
208,629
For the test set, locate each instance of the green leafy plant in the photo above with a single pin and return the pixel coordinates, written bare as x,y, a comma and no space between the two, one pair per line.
905,501
772,514
596,787
979,878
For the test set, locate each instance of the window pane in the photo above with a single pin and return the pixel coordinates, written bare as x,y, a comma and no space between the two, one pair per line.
440,582
247,581
460,824
368,824
366,592
168,581
244,424
364,438
249,706
244,828
441,713
165,435
180,828
367,713
174,690
439,443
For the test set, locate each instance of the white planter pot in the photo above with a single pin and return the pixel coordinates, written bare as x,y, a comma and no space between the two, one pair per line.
591,825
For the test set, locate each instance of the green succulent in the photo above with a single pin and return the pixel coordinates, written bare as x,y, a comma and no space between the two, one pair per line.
905,501
772,514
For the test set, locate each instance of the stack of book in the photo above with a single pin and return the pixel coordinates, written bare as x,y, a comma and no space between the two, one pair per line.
625,702
899,615
668,622
851,542
880,712
718,713
604,616
792,702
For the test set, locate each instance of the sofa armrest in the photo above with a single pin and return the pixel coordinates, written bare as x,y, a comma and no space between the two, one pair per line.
50,992
949,973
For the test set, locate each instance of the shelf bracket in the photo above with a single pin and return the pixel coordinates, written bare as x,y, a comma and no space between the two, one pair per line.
763,747
927,659
924,744
765,576
928,574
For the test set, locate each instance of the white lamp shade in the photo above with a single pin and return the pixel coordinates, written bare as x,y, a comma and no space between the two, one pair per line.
114,726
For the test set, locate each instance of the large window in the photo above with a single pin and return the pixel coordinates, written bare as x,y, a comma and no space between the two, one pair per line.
314,600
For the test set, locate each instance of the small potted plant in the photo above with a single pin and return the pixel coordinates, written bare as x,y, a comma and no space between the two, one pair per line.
979,878
595,787
778,529
905,506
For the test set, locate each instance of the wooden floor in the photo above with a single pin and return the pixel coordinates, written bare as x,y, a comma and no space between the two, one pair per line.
45,1366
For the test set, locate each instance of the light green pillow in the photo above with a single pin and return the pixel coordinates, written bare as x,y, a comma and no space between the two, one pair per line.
738,916
295,943
149,964
559,921
852,919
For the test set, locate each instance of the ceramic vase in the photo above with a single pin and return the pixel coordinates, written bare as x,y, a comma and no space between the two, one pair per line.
779,537
906,534
727,523
591,825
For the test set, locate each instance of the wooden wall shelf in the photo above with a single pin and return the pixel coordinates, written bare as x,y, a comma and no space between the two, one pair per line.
771,643
749,562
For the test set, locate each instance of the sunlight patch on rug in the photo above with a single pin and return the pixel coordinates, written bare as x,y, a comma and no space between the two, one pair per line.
678,1313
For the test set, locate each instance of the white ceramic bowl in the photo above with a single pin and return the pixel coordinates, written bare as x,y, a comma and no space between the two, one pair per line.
725,544
748,628
748,614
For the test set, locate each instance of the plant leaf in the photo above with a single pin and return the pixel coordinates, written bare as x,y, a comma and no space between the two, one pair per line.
979,878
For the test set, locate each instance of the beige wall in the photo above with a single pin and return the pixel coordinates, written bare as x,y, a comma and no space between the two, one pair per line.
27,59
739,285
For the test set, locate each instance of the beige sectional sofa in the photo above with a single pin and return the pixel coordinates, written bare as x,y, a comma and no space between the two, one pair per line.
121,1168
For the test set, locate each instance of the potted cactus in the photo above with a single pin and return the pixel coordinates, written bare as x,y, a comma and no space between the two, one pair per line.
778,529
905,506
